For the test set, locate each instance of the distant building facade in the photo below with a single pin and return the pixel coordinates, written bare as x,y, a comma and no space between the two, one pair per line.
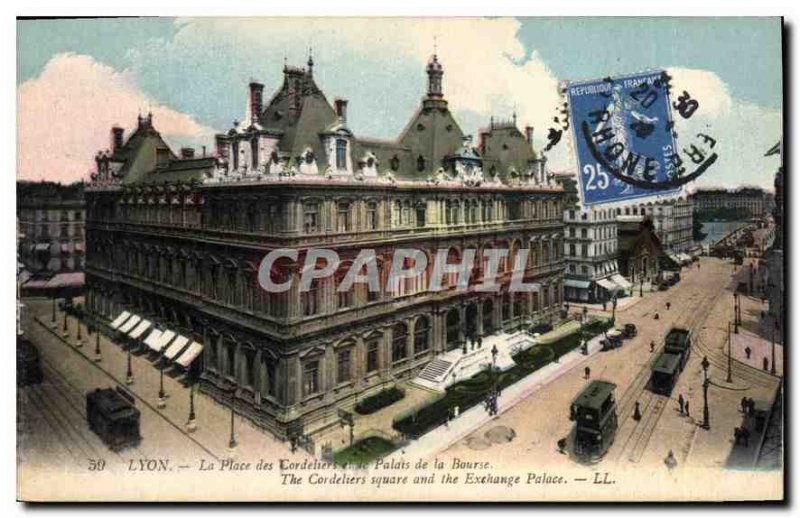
672,221
639,249
750,201
180,239
51,220
590,253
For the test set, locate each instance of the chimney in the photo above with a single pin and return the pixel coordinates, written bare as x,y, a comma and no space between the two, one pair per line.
117,135
222,148
187,152
204,151
341,109
529,134
482,141
256,100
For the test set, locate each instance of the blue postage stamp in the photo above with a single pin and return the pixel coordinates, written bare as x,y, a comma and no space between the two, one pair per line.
624,140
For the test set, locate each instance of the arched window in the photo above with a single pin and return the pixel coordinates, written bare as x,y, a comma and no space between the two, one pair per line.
399,341
420,163
421,335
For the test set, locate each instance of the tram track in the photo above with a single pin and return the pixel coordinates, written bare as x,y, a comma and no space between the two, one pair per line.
635,444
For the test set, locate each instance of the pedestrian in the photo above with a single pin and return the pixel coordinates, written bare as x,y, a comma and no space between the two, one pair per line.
745,404
748,352
686,405
652,345
655,317
766,363
604,305
561,445
668,305
637,414
680,403
670,461
586,373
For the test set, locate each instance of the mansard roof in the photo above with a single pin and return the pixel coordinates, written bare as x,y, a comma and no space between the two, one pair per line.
504,148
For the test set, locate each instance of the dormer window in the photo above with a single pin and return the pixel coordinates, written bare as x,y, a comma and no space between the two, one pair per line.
341,154
420,127
310,157
420,163
394,163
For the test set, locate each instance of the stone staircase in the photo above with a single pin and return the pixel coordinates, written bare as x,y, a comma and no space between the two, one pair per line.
436,371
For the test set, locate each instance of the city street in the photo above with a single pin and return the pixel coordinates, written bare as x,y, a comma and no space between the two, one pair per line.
54,435
703,302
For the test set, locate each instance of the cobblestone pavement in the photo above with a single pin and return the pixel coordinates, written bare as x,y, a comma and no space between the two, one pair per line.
702,301
54,435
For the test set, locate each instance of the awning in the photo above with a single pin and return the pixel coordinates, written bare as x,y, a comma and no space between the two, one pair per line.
152,339
166,338
685,258
674,258
119,320
127,326
176,347
42,247
621,281
139,330
65,280
189,356
608,285
575,283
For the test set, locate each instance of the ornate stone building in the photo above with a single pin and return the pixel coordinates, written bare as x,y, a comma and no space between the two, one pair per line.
180,239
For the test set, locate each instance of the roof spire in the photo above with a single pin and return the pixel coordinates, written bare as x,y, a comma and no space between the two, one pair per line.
310,62
435,73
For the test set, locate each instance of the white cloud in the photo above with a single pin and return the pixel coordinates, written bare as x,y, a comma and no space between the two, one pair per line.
65,115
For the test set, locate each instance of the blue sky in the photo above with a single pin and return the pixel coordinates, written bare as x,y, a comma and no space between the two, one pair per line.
196,70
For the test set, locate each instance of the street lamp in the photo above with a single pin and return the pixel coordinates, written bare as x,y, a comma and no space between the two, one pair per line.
53,321
97,355
772,363
162,399
614,309
729,379
706,382
641,287
491,400
735,312
191,424
79,338
129,374
232,442
65,332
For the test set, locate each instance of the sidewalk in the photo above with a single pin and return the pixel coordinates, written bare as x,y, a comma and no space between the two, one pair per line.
442,437
213,420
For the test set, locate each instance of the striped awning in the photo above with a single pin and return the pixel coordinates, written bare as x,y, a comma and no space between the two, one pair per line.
191,353
621,281
608,285
152,339
119,320
166,338
176,347
139,330
575,283
131,322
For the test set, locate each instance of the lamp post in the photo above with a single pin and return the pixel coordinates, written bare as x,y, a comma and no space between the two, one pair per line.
97,355
65,332
162,397
491,402
614,310
772,363
729,379
706,382
232,442
79,338
129,374
736,312
191,424
53,321
641,287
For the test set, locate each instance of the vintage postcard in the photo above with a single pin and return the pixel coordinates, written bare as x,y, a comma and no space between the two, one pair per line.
400,259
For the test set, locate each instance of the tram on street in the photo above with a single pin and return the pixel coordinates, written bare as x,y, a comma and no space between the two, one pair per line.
29,369
667,366
594,412
113,416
